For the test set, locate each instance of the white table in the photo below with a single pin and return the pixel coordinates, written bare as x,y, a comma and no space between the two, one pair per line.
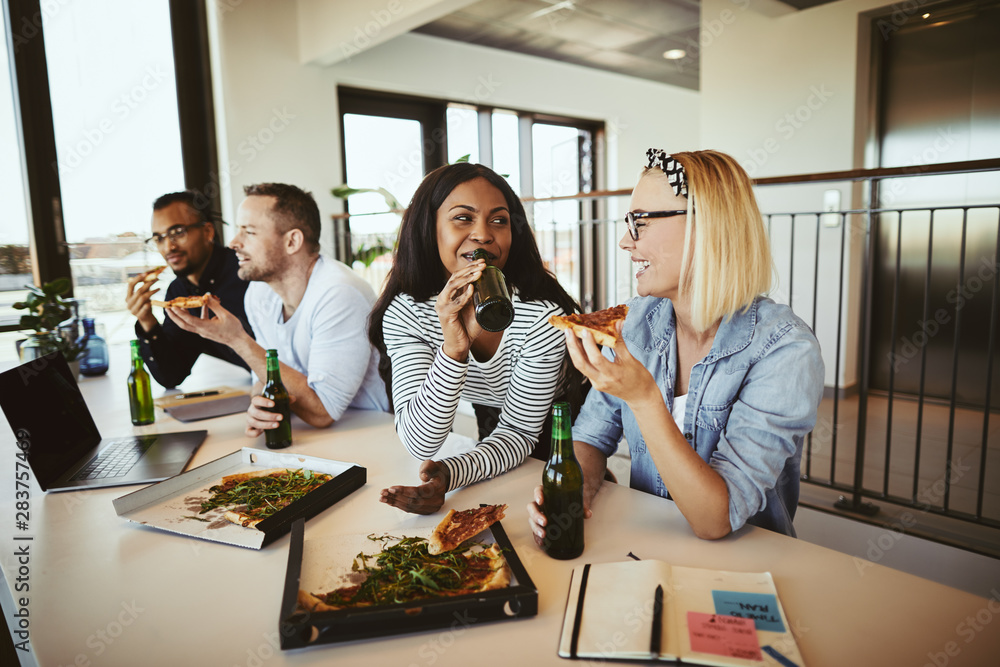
107,592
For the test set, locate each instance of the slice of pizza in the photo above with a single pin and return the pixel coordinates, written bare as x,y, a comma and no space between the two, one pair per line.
153,275
406,571
254,496
182,302
600,324
457,527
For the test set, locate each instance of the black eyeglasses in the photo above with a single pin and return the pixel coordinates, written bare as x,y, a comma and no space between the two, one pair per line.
632,216
176,233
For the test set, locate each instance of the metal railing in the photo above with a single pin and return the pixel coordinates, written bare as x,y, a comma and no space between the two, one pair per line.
850,273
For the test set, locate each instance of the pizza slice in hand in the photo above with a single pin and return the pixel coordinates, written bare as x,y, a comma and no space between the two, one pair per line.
153,275
457,527
182,302
601,324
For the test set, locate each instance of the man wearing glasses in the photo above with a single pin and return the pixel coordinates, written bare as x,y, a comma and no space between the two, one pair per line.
184,234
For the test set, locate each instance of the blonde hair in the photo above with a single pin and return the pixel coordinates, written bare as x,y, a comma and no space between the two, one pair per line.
727,261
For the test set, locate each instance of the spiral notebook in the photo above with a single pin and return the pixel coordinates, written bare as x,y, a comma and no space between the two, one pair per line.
650,610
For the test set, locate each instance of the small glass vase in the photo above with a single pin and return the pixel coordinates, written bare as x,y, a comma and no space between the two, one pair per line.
94,359
37,345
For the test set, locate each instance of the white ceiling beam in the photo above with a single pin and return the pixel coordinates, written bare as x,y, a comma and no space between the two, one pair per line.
331,31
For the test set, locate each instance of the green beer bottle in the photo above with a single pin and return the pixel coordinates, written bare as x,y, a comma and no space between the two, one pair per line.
562,486
494,310
140,391
281,437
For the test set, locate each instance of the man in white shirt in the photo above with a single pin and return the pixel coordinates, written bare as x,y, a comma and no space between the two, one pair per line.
312,309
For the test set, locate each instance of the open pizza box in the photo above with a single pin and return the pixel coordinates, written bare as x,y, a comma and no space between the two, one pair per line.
324,563
174,505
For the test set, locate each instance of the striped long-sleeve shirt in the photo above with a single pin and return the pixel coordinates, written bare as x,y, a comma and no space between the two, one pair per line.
520,379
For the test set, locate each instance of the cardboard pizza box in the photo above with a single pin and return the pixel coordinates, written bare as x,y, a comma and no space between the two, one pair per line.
322,564
174,505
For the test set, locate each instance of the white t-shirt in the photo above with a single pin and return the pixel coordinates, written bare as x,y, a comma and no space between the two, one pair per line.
680,405
326,338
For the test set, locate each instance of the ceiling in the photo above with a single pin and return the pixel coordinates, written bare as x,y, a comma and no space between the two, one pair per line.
624,36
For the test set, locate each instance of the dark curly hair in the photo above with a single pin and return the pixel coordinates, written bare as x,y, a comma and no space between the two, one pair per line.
196,202
416,256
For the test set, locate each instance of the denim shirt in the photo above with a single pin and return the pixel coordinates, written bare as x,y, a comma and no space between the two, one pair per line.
750,403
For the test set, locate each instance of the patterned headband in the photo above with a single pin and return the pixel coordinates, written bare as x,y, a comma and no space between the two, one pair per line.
672,168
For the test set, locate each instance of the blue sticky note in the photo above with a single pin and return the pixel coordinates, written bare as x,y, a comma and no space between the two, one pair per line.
761,607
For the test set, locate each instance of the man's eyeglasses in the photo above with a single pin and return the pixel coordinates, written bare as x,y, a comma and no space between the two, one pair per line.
176,233
632,216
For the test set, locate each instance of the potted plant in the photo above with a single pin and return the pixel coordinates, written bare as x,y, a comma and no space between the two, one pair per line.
47,309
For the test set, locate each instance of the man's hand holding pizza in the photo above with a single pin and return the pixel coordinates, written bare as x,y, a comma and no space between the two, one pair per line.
224,328
140,292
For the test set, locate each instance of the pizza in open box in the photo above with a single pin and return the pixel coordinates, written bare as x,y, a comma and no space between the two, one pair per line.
412,569
254,496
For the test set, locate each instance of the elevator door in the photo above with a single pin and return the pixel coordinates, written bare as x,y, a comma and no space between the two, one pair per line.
934,269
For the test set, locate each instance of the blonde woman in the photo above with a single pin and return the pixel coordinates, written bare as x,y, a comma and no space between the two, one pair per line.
713,385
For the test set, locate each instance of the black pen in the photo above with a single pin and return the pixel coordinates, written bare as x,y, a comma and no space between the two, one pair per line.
198,394
654,640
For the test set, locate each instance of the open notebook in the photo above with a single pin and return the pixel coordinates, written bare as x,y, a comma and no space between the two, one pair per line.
648,610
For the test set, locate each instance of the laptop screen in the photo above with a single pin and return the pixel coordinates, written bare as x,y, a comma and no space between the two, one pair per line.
44,406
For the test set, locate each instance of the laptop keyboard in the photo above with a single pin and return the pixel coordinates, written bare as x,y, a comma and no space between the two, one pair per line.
116,459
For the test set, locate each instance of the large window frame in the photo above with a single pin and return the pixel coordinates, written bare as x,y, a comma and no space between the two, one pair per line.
432,114
33,115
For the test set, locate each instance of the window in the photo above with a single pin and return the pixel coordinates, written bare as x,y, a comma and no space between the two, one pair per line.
380,152
556,161
97,121
15,258
540,156
117,140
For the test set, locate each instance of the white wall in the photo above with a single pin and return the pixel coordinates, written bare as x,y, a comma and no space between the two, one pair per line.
258,72
783,95
276,119
778,92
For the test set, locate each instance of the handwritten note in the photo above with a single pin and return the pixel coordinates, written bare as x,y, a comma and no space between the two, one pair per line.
723,635
761,607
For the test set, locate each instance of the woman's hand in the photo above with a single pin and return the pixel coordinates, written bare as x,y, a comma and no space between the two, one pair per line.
260,418
424,499
455,310
537,519
625,377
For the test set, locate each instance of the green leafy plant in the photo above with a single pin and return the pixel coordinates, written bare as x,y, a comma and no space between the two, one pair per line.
345,191
366,254
47,309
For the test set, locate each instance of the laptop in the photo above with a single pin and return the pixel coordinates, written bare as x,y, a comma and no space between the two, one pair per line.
65,450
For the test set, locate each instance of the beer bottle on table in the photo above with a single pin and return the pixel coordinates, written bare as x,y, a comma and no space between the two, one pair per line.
494,310
562,486
280,437
140,391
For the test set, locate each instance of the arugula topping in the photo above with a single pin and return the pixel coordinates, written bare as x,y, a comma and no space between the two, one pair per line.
405,571
264,496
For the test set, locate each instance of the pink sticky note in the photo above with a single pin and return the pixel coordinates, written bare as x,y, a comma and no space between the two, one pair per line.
723,635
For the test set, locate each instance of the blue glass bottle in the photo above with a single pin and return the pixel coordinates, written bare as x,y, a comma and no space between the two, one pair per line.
94,360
